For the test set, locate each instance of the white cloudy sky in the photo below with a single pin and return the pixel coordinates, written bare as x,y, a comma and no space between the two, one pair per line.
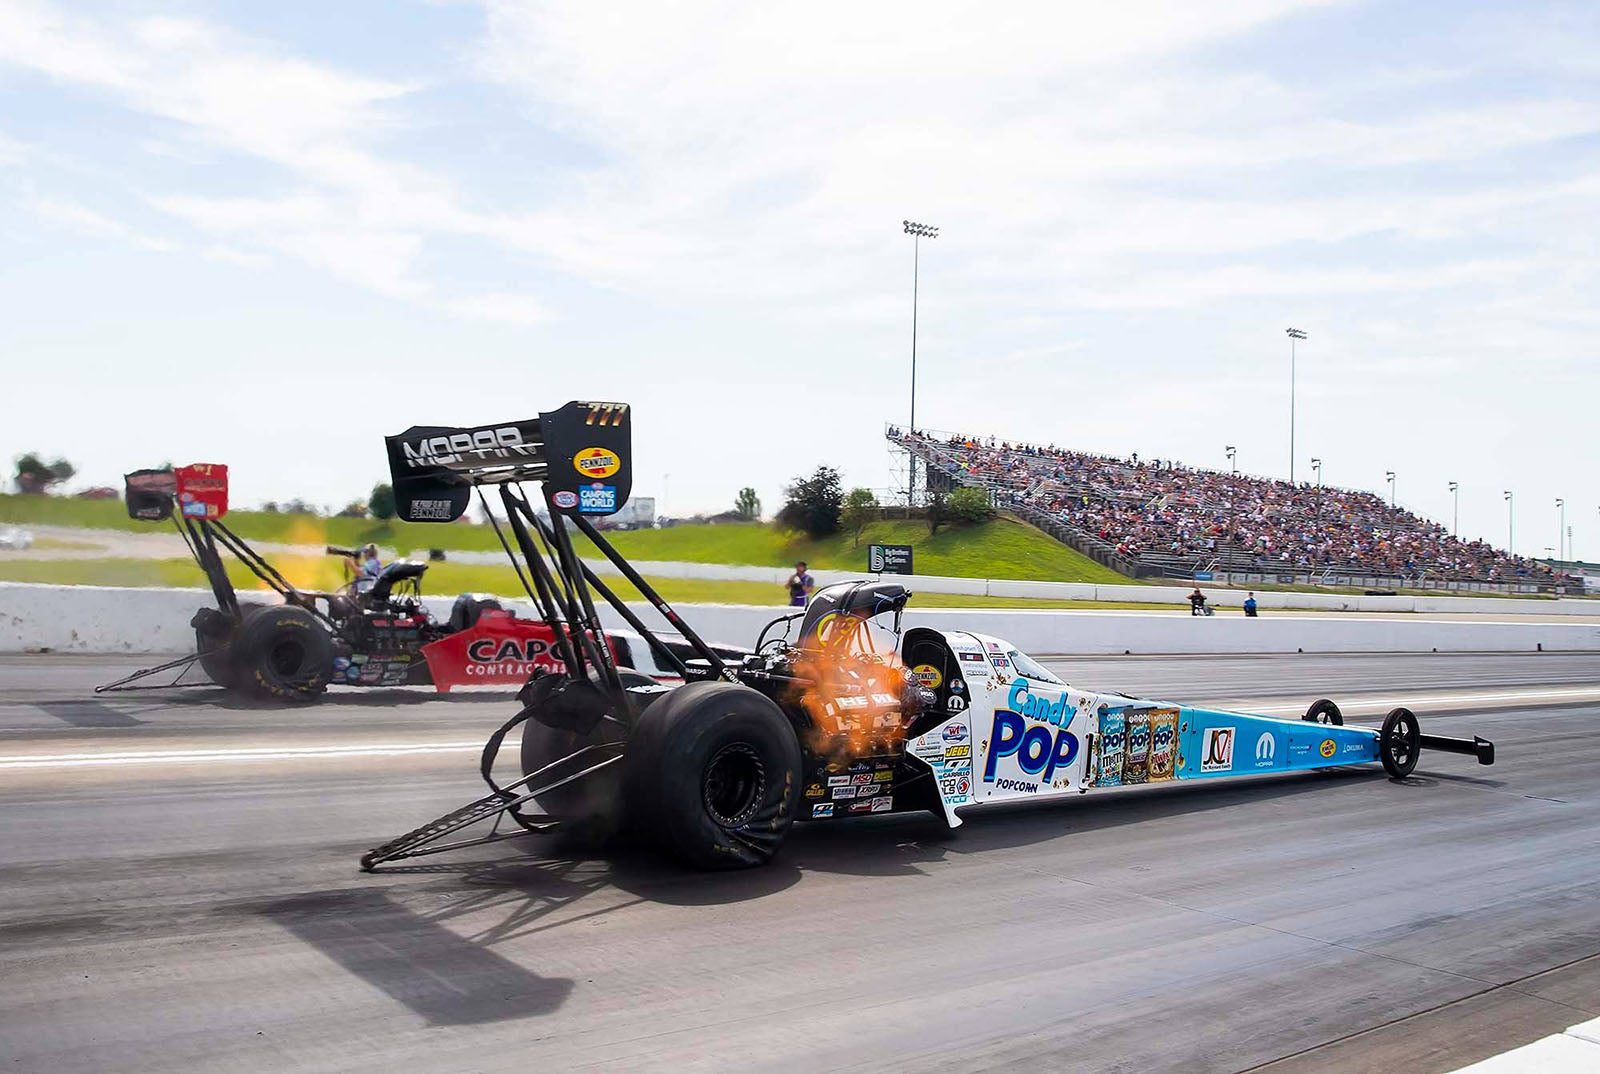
267,234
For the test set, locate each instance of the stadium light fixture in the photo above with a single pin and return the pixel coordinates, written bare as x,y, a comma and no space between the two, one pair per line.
1511,512
1233,455
1316,468
1389,476
918,232
1455,528
1561,526
1294,335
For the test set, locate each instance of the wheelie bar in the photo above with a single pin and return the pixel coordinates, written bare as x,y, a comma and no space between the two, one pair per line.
1481,748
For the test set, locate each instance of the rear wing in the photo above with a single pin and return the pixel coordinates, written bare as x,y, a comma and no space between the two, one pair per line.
582,454
149,494
196,491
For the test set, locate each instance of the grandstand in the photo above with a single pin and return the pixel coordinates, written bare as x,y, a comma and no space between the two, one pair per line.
1150,517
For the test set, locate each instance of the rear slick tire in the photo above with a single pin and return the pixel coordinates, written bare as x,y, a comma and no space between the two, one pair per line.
284,654
712,773
213,634
591,806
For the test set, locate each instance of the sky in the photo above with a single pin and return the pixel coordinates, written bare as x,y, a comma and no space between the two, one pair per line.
270,234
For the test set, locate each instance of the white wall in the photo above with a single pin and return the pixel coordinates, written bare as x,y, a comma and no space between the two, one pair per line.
106,620
1141,594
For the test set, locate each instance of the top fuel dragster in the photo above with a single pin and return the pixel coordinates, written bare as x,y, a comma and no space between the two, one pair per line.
382,635
854,715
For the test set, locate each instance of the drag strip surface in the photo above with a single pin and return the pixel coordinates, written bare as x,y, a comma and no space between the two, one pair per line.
200,915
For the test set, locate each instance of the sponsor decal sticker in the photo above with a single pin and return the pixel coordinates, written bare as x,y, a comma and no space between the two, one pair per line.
955,732
845,792
861,805
1354,747
953,752
422,510
822,809
1327,749
1038,750
956,704
882,805
595,462
838,781
861,777
973,658
499,443
565,499
597,499
1266,748
815,790
882,777
927,675
1216,754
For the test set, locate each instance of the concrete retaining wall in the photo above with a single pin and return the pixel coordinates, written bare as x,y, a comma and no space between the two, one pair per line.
105,620
1141,594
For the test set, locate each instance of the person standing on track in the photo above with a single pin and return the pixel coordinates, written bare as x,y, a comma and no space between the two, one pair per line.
1250,606
800,585
1197,602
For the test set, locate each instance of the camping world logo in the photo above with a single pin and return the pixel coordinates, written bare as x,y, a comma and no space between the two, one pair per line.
1266,747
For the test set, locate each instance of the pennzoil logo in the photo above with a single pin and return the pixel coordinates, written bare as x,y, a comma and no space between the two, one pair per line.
596,462
1327,748
497,443
927,675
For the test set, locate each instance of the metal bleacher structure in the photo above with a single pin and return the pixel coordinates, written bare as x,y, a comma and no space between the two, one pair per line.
1230,564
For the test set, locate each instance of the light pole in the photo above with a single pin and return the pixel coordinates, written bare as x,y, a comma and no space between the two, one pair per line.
1561,527
1389,476
1316,468
1233,454
918,232
1455,526
1511,511
1294,334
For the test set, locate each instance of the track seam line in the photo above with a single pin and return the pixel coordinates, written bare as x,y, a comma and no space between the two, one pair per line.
1509,986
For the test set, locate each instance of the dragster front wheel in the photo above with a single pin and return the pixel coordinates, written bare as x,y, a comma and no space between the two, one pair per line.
1324,711
712,775
1399,743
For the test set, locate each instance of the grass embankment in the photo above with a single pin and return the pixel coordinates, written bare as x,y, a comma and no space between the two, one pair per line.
447,578
1003,548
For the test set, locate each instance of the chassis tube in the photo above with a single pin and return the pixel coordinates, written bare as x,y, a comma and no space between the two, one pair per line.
651,595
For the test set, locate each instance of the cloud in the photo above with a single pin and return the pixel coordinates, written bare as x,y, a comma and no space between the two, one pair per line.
499,307
71,215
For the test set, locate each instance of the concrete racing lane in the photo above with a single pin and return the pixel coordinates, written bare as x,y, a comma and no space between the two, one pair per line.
203,909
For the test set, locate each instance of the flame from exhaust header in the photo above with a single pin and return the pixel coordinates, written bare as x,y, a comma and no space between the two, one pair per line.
854,693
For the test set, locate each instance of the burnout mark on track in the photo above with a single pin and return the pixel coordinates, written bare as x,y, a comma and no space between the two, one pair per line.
87,714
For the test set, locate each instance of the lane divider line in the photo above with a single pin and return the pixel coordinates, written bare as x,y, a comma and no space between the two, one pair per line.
248,754
265,753
1414,701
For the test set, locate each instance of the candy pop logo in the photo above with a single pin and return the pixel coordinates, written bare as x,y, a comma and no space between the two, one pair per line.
1039,750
